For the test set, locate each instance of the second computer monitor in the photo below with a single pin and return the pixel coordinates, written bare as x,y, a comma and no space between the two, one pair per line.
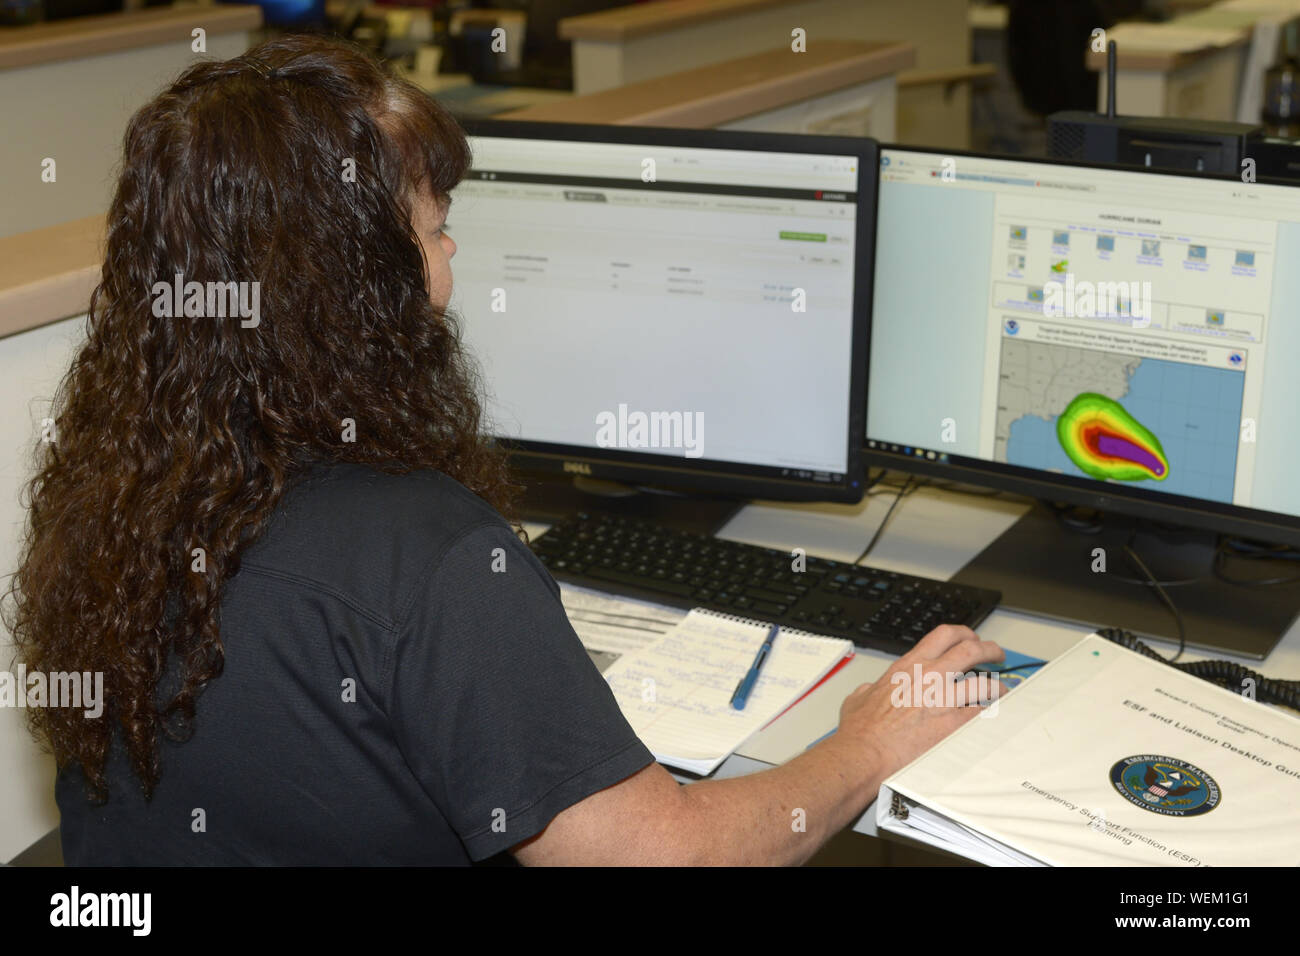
1105,337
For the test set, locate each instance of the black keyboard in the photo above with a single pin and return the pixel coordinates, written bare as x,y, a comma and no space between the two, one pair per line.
884,610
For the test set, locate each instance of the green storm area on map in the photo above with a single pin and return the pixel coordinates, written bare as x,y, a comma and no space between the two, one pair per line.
1106,442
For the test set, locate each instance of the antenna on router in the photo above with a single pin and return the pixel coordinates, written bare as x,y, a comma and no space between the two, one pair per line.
1111,57
1153,141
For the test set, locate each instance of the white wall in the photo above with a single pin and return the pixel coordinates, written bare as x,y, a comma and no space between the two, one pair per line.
31,365
75,112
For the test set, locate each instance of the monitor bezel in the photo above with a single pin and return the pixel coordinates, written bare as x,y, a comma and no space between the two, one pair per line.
711,475
1159,506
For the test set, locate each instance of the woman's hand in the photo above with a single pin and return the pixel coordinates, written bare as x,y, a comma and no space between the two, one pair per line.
900,721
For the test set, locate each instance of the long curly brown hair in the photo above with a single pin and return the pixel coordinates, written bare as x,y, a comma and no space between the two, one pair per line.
295,166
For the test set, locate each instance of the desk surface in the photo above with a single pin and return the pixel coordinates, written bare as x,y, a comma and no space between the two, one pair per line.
934,533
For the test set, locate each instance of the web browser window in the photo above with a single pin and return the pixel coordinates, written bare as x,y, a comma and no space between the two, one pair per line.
598,280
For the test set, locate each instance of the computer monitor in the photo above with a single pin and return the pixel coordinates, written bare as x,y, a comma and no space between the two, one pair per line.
1116,339
680,308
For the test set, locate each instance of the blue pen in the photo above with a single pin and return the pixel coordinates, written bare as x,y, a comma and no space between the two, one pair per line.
749,680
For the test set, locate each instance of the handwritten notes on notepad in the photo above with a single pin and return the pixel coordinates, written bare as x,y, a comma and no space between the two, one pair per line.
615,624
676,692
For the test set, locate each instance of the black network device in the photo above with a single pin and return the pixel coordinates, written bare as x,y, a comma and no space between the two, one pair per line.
1157,142
1204,146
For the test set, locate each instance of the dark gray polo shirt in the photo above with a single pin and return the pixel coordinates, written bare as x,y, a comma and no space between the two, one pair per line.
388,697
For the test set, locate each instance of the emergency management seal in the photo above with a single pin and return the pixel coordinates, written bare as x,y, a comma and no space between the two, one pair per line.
1165,785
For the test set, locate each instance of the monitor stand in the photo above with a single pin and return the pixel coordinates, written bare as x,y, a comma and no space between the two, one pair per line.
550,498
1044,568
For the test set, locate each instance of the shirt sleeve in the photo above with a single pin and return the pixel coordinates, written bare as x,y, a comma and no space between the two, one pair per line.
496,706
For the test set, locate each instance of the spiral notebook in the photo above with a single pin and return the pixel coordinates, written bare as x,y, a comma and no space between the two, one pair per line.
676,692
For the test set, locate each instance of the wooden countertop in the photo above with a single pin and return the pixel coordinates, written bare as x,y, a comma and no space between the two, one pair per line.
1162,61
659,16
722,92
48,274
1170,45
88,36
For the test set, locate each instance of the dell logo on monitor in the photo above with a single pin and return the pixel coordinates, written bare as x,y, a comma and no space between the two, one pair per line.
577,467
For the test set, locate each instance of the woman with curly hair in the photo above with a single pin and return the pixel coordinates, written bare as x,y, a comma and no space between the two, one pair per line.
281,539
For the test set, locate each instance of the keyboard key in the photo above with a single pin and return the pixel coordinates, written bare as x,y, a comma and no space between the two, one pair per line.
881,632
623,577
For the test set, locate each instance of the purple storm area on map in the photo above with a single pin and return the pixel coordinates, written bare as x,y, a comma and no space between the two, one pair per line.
1114,447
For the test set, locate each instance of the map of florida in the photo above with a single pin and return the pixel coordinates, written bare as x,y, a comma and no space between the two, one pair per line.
1105,441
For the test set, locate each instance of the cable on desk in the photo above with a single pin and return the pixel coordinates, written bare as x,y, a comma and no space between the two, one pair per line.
910,485
1083,525
872,482
1164,596
1228,674
902,493
896,483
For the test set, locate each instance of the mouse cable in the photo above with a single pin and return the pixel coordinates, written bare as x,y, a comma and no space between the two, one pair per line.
872,482
1152,582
